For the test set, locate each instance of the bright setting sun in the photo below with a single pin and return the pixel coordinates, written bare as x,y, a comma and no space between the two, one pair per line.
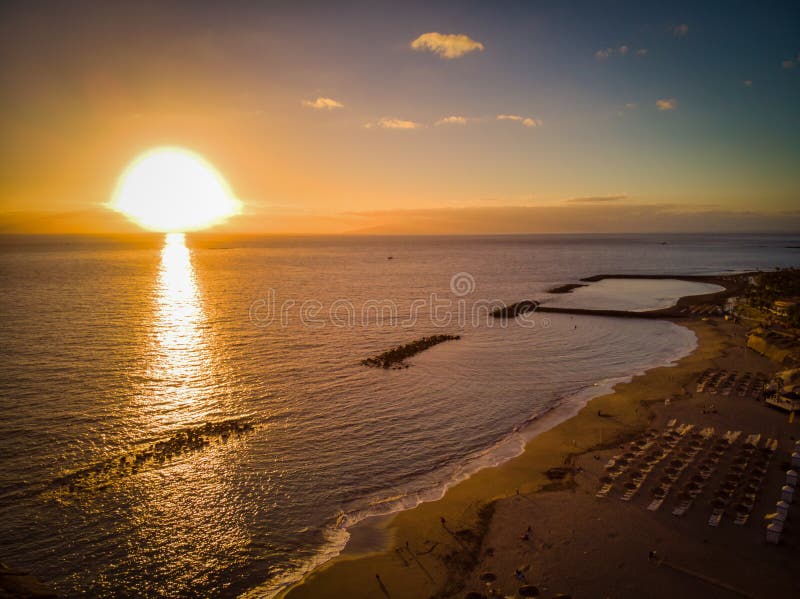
173,190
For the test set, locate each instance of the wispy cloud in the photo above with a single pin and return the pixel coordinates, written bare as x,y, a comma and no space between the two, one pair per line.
579,217
681,30
527,121
631,106
392,123
597,199
665,104
322,103
446,45
621,50
452,120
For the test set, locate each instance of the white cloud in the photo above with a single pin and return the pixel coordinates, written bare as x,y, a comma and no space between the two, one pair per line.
452,120
322,103
392,123
527,121
446,45
622,50
666,104
681,30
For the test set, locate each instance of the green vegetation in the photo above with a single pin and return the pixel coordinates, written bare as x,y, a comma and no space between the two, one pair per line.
782,286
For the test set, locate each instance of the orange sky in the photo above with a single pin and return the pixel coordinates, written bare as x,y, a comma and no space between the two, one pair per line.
323,124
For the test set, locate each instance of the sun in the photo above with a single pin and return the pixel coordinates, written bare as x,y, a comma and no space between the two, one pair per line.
173,190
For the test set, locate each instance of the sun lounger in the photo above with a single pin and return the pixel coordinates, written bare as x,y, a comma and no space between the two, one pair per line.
604,490
681,508
714,520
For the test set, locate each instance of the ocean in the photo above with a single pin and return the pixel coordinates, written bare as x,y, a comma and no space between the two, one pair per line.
113,348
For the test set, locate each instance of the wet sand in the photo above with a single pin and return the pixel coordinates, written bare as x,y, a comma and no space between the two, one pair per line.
579,544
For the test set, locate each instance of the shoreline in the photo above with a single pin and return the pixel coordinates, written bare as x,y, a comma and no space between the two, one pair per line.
376,525
344,574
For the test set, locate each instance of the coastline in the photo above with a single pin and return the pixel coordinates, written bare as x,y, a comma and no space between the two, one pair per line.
464,502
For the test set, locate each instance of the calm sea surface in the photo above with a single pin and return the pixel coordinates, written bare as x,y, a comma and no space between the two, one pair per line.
108,347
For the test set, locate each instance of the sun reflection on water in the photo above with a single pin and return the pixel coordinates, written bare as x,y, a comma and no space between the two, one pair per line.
181,345
187,511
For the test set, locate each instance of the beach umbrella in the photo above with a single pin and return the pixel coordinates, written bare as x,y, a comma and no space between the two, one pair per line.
742,509
670,471
658,492
528,591
628,456
488,577
623,462
718,503
630,485
722,495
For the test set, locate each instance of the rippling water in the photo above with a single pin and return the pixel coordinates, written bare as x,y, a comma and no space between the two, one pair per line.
111,347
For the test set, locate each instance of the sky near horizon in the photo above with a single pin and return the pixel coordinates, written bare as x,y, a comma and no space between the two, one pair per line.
388,117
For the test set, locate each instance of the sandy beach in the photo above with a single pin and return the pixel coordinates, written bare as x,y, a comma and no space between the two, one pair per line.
476,538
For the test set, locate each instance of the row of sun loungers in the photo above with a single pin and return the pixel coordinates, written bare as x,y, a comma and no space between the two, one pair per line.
702,309
744,481
724,382
776,521
680,447
657,448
